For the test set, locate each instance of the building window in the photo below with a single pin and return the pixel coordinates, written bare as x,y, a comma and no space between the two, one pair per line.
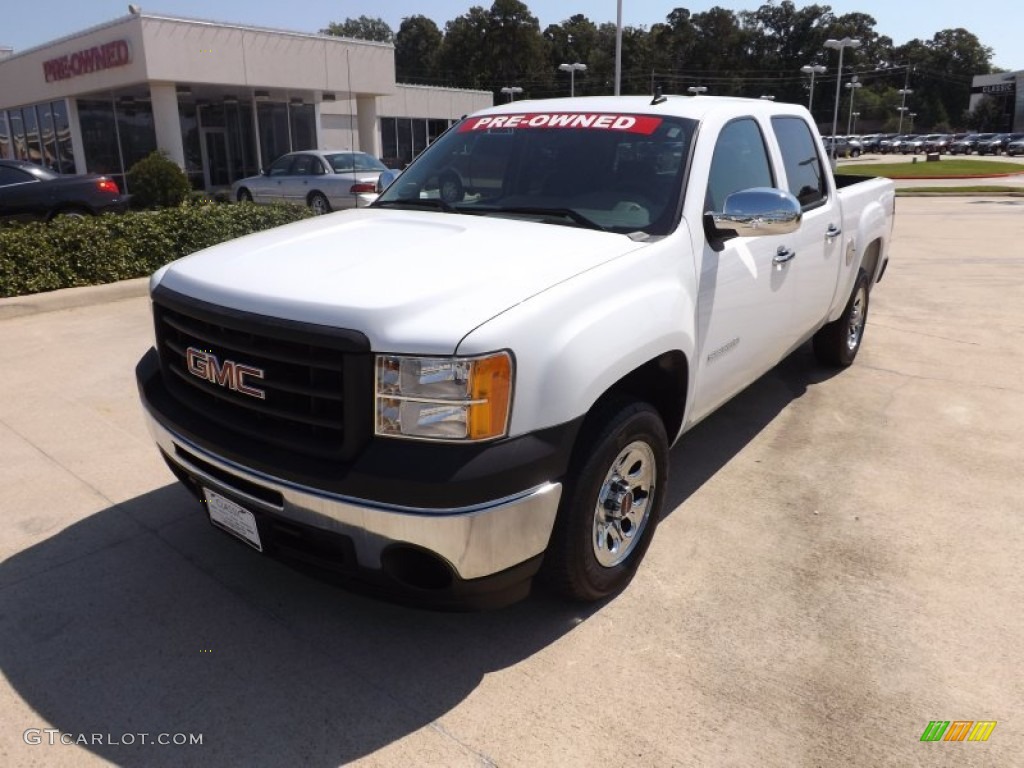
99,137
303,125
19,151
402,138
35,147
5,137
190,143
136,129
273,120
62,134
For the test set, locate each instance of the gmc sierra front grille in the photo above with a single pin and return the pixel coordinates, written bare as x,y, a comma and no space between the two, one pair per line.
285,384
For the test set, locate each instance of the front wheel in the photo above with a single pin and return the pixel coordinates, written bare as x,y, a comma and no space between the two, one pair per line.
611,502
837,343
244,195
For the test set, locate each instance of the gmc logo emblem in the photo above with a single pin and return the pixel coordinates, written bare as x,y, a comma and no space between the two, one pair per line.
205,365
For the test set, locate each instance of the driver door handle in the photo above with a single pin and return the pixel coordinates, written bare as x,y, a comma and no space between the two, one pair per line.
782,255
833,231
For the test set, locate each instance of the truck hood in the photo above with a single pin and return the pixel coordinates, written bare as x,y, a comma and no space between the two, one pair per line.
411,281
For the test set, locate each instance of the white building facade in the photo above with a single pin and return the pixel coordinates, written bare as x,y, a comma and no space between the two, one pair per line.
223,101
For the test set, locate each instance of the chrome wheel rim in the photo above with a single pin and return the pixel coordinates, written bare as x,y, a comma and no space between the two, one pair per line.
624,504
858,316
319,205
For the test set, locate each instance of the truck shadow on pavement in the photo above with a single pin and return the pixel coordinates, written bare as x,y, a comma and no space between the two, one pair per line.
141,619
710,445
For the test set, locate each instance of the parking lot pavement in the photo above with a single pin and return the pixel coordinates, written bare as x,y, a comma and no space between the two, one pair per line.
841,565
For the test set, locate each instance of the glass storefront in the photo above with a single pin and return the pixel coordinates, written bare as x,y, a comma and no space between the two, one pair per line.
39,133
402,138
116,134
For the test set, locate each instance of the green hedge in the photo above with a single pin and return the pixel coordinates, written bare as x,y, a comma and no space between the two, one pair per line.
65,253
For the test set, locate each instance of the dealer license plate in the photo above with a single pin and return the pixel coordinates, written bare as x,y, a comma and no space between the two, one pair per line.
236,520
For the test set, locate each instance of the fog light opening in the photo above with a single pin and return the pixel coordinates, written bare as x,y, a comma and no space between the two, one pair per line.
416,568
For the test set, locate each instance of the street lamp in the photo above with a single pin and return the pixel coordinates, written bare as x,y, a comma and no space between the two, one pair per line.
572,69
841,45
697,90
903,105
855,116
812,70
852,87
511,90
912,115
767,97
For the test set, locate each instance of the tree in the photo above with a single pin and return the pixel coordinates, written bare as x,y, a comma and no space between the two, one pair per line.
363,28
416,49
462,59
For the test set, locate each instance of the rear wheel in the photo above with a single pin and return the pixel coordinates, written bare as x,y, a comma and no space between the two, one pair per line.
70,213
451,189
244,195
837,343
319,204
611,502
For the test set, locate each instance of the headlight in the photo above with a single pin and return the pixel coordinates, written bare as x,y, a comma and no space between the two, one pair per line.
443,398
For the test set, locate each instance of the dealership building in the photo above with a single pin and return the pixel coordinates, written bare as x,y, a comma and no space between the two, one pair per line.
1007,90
222,100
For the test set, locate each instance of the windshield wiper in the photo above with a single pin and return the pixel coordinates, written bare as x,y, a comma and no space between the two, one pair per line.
415,202
563,213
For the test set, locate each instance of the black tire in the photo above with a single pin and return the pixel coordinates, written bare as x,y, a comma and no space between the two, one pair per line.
244,195
319,203
450,188
600,535
837,343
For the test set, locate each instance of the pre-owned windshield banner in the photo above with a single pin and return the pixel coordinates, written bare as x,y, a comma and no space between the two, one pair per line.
641,124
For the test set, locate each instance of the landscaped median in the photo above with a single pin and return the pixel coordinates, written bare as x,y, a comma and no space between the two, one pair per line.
76,252
949,170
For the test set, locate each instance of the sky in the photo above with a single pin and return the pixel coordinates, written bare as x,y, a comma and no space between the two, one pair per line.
996,23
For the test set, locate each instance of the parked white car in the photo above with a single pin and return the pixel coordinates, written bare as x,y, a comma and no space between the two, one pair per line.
325,180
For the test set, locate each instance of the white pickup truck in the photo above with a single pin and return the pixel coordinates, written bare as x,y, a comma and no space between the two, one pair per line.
477,380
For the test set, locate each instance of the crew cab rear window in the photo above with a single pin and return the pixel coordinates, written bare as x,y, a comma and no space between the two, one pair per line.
740,162
805,175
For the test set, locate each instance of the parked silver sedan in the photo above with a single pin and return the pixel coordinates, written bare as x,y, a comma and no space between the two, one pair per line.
325,180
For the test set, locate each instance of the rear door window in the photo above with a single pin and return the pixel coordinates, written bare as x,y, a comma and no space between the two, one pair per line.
805,173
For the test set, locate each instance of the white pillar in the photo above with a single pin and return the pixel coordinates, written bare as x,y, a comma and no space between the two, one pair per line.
77,145
366,120
167,121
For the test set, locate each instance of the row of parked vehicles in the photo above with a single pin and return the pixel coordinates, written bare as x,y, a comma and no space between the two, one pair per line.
941,143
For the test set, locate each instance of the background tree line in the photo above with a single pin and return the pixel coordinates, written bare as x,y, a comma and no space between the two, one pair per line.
749,53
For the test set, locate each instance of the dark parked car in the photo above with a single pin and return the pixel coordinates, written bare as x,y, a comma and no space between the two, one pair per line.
938,142
997,143
1015,148
28,191
968,143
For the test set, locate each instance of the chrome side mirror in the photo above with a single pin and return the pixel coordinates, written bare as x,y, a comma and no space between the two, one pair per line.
757,212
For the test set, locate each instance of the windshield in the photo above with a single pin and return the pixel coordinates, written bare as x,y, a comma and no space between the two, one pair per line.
613,172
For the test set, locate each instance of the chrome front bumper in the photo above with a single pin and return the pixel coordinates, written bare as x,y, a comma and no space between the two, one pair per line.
476,541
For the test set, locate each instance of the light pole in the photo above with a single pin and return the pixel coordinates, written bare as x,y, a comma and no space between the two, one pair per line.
697,90
812,70
903,106
855,116
511,91
912,115
841,45
767,97
852,87
572,69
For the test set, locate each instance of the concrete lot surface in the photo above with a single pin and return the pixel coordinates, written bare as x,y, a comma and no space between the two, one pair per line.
842,564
